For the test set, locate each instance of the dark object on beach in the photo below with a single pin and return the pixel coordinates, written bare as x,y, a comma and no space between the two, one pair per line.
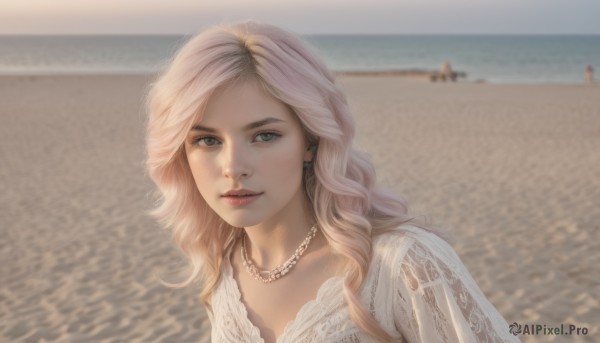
432,75
446,73
436,75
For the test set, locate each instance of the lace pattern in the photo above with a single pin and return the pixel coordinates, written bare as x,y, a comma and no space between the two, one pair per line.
440,282
417,288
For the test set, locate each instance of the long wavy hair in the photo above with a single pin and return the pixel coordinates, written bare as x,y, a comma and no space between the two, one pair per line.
348,206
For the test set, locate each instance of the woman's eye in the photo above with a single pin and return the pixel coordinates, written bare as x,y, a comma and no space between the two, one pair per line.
207,140
268,136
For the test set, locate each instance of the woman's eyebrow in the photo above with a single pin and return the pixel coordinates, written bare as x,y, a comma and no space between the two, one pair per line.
250,126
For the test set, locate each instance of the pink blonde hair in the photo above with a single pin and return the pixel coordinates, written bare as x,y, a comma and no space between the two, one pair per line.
347,205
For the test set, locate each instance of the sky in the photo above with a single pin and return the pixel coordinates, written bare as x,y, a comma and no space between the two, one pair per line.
302,16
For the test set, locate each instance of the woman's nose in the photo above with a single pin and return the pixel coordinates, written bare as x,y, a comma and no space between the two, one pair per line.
236,162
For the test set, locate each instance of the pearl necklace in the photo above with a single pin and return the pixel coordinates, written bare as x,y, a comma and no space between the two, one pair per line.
280,270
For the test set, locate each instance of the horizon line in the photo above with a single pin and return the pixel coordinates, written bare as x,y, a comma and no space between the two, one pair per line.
314,34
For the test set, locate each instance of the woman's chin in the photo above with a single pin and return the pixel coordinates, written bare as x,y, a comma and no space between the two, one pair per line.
240,222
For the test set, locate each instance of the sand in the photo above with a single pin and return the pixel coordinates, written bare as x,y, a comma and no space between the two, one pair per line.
510,170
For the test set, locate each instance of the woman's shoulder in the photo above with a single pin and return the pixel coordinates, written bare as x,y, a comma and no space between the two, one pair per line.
399,241
413,255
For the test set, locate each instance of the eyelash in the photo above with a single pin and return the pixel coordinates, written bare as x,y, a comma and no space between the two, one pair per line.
274,135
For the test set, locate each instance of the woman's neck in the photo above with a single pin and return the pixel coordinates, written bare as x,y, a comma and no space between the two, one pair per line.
271,245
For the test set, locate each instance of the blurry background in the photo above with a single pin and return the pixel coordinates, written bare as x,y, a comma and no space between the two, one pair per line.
497,41
507,165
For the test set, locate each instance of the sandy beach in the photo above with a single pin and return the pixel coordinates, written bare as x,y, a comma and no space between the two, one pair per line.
510,170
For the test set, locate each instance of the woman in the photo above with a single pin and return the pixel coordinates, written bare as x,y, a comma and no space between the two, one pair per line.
250,144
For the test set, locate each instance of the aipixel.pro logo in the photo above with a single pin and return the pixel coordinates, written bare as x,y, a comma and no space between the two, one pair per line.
542,329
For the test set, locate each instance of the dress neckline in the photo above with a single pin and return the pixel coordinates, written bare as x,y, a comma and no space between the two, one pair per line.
309,305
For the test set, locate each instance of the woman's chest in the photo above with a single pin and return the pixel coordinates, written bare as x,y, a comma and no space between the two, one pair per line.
322,319
272,306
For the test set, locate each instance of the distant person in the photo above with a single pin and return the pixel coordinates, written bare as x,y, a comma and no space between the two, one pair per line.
589,74
446,72
249,141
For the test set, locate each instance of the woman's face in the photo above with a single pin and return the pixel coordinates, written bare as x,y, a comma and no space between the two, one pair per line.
248,140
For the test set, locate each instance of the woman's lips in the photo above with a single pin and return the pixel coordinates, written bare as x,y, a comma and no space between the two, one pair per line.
241,200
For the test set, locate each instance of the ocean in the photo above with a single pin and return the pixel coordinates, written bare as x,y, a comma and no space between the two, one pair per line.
489,58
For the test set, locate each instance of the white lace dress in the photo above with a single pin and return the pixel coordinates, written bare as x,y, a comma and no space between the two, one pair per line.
417,288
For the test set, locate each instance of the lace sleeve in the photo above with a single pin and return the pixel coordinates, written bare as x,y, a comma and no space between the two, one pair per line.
437,300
